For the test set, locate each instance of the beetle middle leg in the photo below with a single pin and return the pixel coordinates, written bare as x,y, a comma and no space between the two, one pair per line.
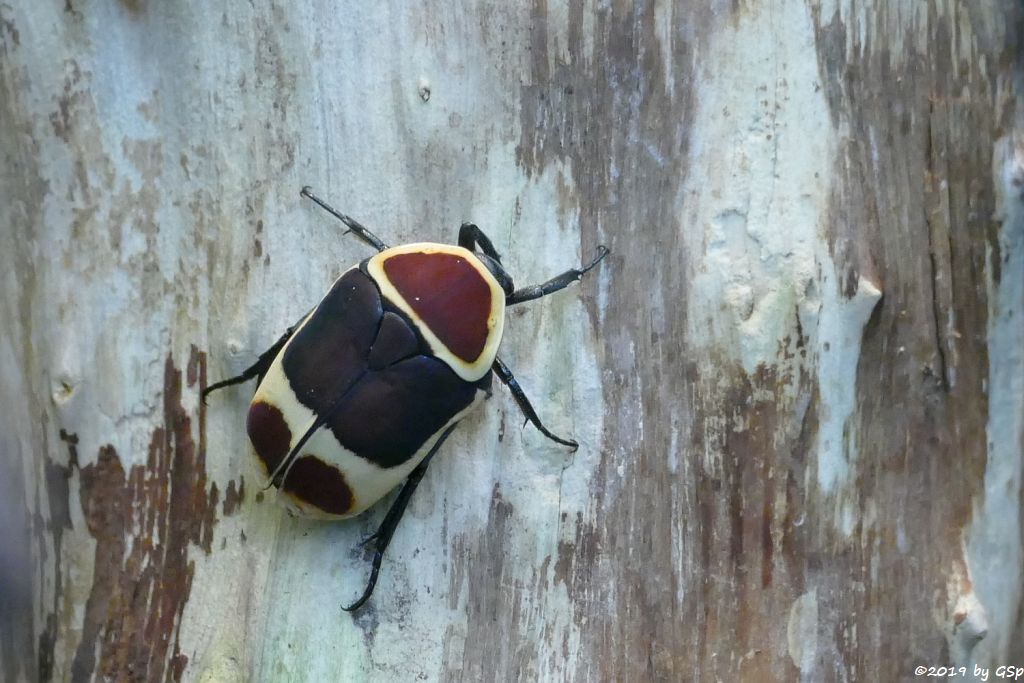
509,380
257,369
382,537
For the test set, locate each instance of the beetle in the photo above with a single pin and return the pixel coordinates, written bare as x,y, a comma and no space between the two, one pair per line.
360,393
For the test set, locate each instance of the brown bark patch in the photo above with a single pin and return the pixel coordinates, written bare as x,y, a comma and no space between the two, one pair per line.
747,504
135,7
145,521
600,100
487,564
912,206
234,497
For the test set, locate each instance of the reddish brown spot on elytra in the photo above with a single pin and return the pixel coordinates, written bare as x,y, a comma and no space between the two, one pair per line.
313,481
448,294
269,433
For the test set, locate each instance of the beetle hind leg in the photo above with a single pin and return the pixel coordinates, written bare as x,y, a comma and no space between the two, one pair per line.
556,283
509,380
381,538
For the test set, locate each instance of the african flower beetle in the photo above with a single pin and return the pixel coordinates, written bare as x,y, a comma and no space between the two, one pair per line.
361,392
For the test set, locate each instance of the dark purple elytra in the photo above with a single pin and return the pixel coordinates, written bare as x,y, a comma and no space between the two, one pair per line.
359,362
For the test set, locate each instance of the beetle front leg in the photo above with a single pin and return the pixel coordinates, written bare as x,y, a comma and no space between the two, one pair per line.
556,283
470,236
381,538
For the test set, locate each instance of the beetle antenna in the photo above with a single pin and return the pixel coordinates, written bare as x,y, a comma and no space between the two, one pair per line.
354,226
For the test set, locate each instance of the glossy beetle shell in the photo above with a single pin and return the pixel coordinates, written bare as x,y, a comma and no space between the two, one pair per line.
398,350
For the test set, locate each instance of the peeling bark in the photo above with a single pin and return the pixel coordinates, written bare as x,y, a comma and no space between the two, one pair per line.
144,522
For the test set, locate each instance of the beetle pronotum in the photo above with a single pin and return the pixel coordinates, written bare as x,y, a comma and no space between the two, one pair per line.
361,392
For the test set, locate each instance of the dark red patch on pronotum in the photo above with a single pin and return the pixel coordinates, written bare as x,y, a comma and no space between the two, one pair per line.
269,433
313,481
448,294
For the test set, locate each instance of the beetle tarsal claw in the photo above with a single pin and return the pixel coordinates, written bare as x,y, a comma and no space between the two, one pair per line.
357,604
602,251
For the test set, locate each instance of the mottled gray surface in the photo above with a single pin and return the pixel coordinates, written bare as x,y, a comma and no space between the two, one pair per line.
797,381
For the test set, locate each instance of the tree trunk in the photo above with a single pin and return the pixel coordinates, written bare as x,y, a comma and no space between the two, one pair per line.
797,382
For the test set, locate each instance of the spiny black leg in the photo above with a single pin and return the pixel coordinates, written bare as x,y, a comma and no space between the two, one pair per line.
470,236
506,376
382,537
353,225
260,367
556,283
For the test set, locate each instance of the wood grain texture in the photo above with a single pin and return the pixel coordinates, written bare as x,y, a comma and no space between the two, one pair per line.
797,382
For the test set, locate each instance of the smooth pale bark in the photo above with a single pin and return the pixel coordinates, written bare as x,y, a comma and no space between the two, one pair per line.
797,382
